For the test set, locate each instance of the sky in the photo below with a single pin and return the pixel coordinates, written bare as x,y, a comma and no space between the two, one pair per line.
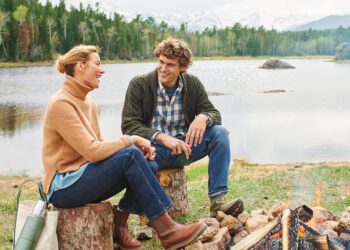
266,12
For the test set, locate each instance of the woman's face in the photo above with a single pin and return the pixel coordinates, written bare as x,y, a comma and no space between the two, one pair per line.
93,71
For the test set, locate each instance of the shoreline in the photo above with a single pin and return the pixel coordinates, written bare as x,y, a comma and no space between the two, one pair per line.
235,163
51,63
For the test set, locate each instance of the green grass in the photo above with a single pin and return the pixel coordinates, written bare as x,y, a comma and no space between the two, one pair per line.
258,186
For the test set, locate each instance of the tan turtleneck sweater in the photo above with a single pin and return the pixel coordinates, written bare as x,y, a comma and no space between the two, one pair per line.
71,132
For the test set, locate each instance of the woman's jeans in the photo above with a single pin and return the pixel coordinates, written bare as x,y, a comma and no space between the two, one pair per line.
215,145
125,169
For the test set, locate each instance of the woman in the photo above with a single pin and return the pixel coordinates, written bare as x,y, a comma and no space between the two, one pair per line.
81,168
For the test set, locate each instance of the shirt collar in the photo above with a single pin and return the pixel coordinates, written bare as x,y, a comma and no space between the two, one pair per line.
161,88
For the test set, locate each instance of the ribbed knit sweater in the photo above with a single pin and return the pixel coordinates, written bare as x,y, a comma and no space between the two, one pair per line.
71,132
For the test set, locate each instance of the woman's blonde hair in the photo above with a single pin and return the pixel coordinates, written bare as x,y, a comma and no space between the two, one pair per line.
65,63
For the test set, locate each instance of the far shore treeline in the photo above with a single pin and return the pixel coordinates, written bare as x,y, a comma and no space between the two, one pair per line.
31,31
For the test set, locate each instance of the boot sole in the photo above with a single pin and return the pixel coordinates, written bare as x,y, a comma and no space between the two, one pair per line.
190,240
235,208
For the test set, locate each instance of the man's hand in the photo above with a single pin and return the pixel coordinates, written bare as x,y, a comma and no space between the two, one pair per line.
145,146
194,135
176,146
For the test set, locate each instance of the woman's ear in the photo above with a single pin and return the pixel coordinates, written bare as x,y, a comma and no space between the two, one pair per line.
80,66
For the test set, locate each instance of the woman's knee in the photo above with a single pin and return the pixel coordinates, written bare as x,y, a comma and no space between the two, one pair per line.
153,166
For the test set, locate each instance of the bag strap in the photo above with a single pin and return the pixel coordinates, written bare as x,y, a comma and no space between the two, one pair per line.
43,197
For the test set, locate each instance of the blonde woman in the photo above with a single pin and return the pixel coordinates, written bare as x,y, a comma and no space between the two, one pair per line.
81,168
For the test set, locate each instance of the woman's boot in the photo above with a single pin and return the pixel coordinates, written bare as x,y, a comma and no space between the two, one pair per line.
122,236
173,235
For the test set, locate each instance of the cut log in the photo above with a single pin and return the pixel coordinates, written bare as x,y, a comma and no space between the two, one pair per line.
173,181
259,237
88,227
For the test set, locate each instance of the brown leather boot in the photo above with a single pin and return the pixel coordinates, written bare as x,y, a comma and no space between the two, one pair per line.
121,233
173,235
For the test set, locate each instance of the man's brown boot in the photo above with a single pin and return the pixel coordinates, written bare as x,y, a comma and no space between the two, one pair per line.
121,233
173,235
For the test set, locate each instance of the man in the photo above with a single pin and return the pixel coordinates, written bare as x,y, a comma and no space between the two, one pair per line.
171,108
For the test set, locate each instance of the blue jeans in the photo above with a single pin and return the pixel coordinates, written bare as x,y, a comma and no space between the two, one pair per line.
216,145
125,169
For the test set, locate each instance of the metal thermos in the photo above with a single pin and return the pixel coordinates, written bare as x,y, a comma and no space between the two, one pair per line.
32,228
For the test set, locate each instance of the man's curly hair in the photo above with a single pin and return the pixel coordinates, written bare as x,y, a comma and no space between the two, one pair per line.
175,49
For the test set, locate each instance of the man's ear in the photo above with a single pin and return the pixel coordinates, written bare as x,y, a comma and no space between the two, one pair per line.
183,69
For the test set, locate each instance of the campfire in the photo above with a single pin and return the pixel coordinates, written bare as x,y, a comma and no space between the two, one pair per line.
280,228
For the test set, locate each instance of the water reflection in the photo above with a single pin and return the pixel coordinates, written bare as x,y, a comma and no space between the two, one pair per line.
17,117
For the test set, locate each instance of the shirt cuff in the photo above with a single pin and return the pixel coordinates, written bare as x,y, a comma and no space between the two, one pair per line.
210,122
153,138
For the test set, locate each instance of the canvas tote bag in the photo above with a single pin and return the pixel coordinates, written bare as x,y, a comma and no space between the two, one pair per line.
48,237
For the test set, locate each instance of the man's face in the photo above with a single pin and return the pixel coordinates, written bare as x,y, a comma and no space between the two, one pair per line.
168,70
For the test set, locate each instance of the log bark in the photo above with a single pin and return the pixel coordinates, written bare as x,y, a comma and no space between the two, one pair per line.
88,227
174,183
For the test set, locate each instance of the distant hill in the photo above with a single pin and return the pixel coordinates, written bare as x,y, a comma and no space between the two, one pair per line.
329,22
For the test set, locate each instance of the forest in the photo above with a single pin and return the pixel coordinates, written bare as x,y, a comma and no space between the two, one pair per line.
31,31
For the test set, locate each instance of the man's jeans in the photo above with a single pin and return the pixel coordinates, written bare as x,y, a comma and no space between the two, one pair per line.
125,169
216,145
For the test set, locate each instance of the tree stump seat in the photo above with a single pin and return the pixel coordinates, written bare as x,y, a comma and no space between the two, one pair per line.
87,227
173,180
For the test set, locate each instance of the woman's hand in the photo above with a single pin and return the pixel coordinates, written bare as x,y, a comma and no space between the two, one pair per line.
145,146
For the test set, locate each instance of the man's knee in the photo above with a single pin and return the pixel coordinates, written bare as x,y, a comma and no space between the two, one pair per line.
218,131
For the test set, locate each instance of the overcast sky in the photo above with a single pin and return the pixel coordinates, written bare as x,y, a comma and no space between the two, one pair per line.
229,7
228,10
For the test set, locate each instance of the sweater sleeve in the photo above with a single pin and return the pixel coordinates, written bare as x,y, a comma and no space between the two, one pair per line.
66,121
133,122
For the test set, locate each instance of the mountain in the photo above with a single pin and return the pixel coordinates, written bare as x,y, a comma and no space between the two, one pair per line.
328,22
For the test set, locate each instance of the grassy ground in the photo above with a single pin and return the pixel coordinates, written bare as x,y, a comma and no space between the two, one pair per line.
326,185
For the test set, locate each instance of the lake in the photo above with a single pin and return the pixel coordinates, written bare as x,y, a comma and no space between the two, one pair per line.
307,121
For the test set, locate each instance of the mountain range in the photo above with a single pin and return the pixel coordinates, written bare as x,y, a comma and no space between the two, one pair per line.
198,21
329,22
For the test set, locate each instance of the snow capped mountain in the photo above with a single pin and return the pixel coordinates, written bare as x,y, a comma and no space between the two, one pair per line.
219,17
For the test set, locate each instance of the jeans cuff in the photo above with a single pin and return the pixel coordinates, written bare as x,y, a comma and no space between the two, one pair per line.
218,192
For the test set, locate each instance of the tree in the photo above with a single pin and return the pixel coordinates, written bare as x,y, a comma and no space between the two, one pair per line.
112,31
20,14
83,30
4,18
50,22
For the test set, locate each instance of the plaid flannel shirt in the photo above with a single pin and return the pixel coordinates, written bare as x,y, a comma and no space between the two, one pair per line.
169,117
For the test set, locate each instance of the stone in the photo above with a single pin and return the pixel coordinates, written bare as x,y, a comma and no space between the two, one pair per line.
195,246
345,219
345,236
330,224
277,209
221,241
143,232
208,234
257,211
212,222
256,222
232,224
323,213
328,231
243,217
276,64
220,215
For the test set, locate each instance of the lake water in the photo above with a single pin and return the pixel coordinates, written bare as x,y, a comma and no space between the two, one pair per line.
310,122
